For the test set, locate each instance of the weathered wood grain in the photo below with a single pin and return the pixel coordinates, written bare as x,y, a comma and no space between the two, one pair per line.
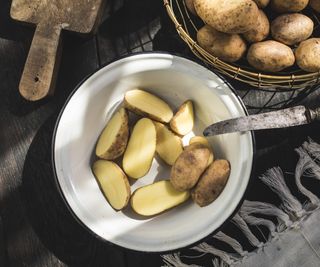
19,121
41,67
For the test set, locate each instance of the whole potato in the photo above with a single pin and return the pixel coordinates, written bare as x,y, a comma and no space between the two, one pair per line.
308,55
228,47
189,166
315,4
190,6
228,16
262,3
260,31
270,56
211,183
285,6
291,29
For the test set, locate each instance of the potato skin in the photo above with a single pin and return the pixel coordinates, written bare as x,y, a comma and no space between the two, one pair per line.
260,31
228,16
227,47
202,140
285,6
291,29
270,56
120,143
262,3
211,183
308,55
190,6
315,4
100,170
189,166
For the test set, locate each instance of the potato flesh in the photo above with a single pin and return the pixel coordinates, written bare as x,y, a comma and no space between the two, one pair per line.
156,198
183,120
114,137
169,146
145,103
113,183
141,148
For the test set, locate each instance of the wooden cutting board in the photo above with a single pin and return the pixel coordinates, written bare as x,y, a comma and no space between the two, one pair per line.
51,17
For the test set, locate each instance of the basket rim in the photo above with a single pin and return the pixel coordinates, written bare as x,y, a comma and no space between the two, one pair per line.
259,76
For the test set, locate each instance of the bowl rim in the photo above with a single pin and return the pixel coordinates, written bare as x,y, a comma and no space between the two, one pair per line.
63,197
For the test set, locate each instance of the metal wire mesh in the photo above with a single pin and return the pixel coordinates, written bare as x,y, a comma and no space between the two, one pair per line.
274,91
124,34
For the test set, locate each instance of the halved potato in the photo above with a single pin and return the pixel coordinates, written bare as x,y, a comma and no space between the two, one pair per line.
182,122
140,151
114,137
157,197
146,104
113,183
169,146
204,141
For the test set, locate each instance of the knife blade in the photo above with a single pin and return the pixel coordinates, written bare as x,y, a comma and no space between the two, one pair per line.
289,117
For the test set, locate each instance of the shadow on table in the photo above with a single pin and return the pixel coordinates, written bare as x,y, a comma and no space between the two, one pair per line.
9,29
48,215
55,226
130,17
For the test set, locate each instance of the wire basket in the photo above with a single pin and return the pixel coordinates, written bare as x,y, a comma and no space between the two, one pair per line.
187,26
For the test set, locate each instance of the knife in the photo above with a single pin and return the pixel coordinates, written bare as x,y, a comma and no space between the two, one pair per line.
289,117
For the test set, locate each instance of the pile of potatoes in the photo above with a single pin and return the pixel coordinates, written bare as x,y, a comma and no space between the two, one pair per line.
122,155
237,29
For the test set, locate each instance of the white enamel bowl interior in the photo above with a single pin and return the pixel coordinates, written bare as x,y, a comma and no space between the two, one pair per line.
174,79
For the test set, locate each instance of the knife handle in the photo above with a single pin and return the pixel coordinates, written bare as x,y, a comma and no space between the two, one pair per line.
315,114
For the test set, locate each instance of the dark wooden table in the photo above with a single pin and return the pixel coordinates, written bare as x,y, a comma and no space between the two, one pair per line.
36,227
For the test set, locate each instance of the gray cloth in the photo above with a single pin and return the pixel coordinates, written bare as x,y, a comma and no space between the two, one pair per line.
292,241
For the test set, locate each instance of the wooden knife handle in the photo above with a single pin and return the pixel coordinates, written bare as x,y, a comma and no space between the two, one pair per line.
41,67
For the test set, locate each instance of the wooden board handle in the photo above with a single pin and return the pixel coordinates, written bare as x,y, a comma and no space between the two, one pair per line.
41,67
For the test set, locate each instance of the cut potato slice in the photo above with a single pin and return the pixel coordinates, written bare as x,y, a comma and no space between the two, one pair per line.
114,137
182,122
146,104
169,146
157,197
113,183
204,141
140,151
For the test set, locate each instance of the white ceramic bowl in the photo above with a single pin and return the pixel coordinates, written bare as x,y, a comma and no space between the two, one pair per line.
86,112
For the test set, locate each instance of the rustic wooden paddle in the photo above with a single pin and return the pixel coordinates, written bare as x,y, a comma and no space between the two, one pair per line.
50,16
